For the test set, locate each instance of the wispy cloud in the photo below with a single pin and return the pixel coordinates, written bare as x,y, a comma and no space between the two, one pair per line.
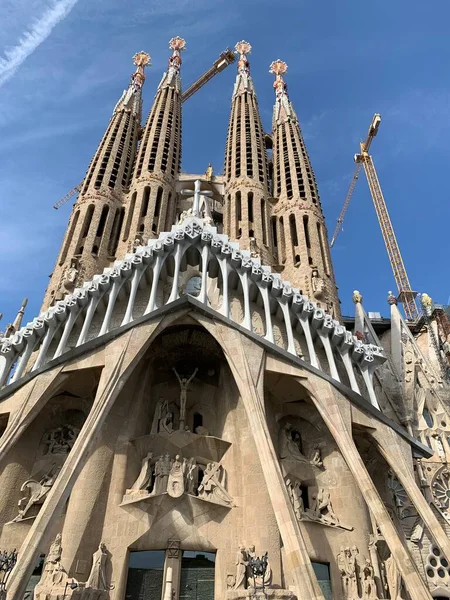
33,37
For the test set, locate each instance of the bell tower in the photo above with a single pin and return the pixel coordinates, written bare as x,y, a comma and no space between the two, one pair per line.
91,239
152,198
298,225
246,173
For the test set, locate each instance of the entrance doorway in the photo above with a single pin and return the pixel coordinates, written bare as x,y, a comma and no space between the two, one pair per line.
145,575
197,575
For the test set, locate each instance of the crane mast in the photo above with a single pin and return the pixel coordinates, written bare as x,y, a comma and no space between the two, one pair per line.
364,159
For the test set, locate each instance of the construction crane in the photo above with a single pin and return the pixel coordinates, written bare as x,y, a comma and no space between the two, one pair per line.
226,58
363,159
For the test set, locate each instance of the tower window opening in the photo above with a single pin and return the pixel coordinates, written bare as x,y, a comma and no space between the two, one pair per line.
126,233
248,140
293,228
297,260
306,230
99,179
158,202
141,227
145,201
87,220
282,241
102,222
263,221
251,233
69,237
238,137
238,209
116,229
323,250
273,221
250,206
95,250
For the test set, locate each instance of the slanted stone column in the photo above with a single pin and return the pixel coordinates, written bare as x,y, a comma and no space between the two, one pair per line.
246,361
390,448
123,354
326,403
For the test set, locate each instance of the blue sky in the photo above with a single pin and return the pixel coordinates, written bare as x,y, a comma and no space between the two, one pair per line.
64,63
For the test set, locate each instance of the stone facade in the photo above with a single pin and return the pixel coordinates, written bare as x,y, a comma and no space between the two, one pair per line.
189,424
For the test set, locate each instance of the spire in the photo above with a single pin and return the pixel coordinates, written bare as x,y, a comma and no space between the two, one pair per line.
298,226
15,326
131,98
93,233
244,82
171,77
247,207
283,110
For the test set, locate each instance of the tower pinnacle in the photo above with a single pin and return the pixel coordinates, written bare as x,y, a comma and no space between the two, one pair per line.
141,60
283,109
244,81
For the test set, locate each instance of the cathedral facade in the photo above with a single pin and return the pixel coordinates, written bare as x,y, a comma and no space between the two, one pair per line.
190,417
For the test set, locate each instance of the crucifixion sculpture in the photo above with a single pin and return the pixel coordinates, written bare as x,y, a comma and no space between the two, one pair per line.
184,382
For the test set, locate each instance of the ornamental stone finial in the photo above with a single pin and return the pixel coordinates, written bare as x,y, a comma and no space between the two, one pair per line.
141,60
357,297
243,48
278,68
391,299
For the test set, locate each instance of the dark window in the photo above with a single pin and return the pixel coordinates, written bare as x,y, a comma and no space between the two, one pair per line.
250,206
198,421
102,222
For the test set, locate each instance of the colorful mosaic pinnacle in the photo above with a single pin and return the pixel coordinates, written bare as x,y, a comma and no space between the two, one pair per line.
243,47
177,43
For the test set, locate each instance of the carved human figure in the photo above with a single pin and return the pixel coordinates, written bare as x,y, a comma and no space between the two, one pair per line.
393,578
291,443
97,576
70,278
37,491
258,581
144,479
61,439
163,418
241,569
184,383
342,566
295,492
175,482
166,465
191,471
368,583
316,456
321,508
351,567
158,486
212,486
317,284
53,572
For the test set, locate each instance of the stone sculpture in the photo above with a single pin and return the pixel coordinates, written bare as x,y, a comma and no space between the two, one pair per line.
295,493
316,456
175,482
368,583
36,493
259,572
291,444
97,576
322,508
163,418
184,383
70,277
347,565
191,471
393,578
144,479
212,486
61,439
241,569
317,284
53,572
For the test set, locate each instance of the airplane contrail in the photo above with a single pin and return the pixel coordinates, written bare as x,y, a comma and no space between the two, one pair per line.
33,37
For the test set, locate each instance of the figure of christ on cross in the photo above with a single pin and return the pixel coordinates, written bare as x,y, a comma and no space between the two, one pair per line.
184,382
